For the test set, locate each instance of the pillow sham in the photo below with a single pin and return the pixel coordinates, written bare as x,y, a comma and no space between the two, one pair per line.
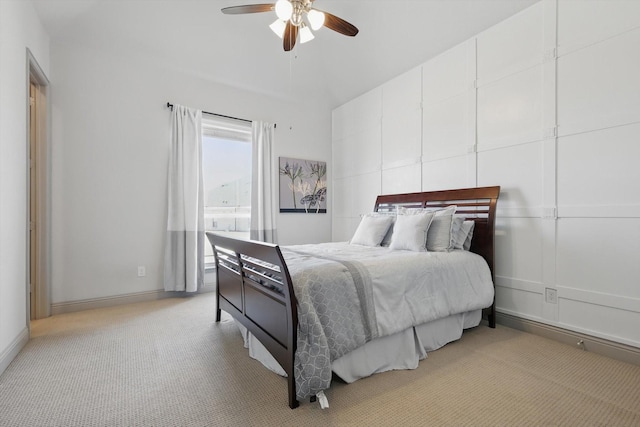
457,236
467,242
387,237
371,230
439,237
462,231
410,231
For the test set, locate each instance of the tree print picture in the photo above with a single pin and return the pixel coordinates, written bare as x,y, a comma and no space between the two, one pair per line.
303,186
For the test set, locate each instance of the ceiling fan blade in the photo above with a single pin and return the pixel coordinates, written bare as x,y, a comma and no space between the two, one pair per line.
338,24
290,36
248,8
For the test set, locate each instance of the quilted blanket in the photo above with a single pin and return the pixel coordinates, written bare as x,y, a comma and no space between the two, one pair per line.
348,295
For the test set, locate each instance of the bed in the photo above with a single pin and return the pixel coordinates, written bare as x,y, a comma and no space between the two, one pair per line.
308,341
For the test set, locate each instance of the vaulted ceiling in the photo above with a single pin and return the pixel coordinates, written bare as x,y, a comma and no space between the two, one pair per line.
241,51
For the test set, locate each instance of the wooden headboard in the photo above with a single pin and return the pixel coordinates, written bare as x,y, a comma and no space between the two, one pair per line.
477,204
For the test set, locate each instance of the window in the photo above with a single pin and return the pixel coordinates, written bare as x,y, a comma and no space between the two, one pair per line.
226,167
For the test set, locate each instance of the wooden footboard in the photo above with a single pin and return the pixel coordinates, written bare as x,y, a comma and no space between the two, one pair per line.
254,286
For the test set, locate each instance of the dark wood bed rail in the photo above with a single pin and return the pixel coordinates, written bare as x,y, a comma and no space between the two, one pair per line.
254,285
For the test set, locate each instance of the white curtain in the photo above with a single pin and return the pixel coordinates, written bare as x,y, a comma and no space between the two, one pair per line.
184,246
263,187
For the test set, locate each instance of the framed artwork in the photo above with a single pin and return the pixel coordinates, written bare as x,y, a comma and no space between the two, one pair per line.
303,185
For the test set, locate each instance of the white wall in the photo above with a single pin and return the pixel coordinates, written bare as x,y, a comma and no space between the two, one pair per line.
547,105
20,29
110,153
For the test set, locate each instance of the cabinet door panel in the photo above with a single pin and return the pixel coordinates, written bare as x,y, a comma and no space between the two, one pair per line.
582,23
590,255
510,110
512,45
518,170
598,85
599,168
452,172
406,179
449,74
448,128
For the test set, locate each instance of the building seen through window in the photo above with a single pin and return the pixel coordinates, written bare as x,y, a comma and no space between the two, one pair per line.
226,166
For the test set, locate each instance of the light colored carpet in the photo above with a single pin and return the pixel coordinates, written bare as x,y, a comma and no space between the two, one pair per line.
167,363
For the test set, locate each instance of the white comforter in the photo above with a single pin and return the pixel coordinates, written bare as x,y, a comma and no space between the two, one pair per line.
410,288
349,294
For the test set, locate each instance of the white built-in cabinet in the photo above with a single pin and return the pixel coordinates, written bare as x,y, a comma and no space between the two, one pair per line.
547,105
401,133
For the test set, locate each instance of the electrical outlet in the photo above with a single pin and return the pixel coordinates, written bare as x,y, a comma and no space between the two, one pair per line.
142,271
551,295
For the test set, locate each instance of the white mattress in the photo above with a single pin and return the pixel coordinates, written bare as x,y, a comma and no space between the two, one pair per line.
402,350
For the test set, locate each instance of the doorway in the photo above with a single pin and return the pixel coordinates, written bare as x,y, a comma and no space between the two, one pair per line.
38,193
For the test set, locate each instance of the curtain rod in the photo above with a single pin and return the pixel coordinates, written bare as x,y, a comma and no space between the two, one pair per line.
170,105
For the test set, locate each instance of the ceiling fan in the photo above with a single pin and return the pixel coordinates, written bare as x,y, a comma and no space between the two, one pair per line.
295,17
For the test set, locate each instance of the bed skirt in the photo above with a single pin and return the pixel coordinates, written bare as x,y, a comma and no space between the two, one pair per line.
402,350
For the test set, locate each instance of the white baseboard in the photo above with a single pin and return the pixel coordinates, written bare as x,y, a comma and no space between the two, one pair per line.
14,348
89,304
92,303
614,350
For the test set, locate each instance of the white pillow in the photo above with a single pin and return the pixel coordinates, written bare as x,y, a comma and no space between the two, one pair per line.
387,237
371,230
462,231
410,231
439,237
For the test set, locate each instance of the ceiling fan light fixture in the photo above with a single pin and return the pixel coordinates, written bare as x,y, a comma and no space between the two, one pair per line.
278,27
305,34
296,20
316,19
284,9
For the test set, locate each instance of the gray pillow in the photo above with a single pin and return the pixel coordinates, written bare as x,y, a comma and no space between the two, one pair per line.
467,242
457,235
462,231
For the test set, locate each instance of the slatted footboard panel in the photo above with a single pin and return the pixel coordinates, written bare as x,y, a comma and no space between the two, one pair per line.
254,286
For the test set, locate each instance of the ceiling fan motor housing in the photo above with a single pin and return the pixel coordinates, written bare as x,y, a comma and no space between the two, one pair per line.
298,10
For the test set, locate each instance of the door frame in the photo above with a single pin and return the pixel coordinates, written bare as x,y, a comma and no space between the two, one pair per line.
40,222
